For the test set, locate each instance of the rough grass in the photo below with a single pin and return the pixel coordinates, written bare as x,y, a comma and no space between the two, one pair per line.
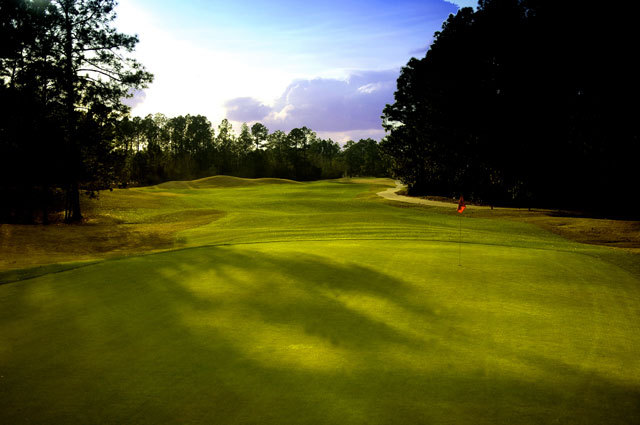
319,303
122,222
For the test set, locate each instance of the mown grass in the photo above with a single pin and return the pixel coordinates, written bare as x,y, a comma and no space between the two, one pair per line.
321,303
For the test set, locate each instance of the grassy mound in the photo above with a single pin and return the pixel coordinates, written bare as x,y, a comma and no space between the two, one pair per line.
221,182
313,304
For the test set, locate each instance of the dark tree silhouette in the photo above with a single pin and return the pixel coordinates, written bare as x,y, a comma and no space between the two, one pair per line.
364,158
68,60
95,74
259,133
521,101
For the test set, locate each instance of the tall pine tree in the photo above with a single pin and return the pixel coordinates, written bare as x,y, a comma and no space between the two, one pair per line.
67,57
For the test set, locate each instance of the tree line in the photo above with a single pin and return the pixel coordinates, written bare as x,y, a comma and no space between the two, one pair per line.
523,102
64,130
157,148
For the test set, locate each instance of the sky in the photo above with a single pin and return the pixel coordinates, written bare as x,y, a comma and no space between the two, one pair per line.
331,66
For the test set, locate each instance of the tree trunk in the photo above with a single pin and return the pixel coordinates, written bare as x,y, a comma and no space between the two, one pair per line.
72,213
76,215
72,207
44,199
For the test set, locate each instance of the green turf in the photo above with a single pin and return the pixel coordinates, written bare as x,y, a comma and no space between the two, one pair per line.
321,303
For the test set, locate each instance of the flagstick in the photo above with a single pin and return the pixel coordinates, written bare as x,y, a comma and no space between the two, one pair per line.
460,243
461,207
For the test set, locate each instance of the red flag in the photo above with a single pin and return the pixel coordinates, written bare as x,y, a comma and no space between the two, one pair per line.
461,205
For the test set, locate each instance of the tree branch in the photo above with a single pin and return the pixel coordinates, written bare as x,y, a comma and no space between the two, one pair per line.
97,71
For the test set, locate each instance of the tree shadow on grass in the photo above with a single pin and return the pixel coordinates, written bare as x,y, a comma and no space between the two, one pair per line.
173,338
306,291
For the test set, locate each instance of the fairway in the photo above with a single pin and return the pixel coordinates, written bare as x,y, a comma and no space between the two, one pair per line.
234,301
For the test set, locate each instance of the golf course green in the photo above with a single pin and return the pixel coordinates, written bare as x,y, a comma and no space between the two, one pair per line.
320,303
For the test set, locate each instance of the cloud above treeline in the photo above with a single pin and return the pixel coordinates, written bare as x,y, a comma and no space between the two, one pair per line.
323,104
137,97
246,109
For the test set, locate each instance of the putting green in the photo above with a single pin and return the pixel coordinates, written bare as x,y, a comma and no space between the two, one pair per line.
321,303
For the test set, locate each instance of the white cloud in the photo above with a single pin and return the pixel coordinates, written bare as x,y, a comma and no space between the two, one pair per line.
281,115
332,105
369,88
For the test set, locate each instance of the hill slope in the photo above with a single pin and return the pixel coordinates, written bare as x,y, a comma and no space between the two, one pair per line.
221,182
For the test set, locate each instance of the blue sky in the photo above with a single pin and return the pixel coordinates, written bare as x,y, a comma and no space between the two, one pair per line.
330,65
